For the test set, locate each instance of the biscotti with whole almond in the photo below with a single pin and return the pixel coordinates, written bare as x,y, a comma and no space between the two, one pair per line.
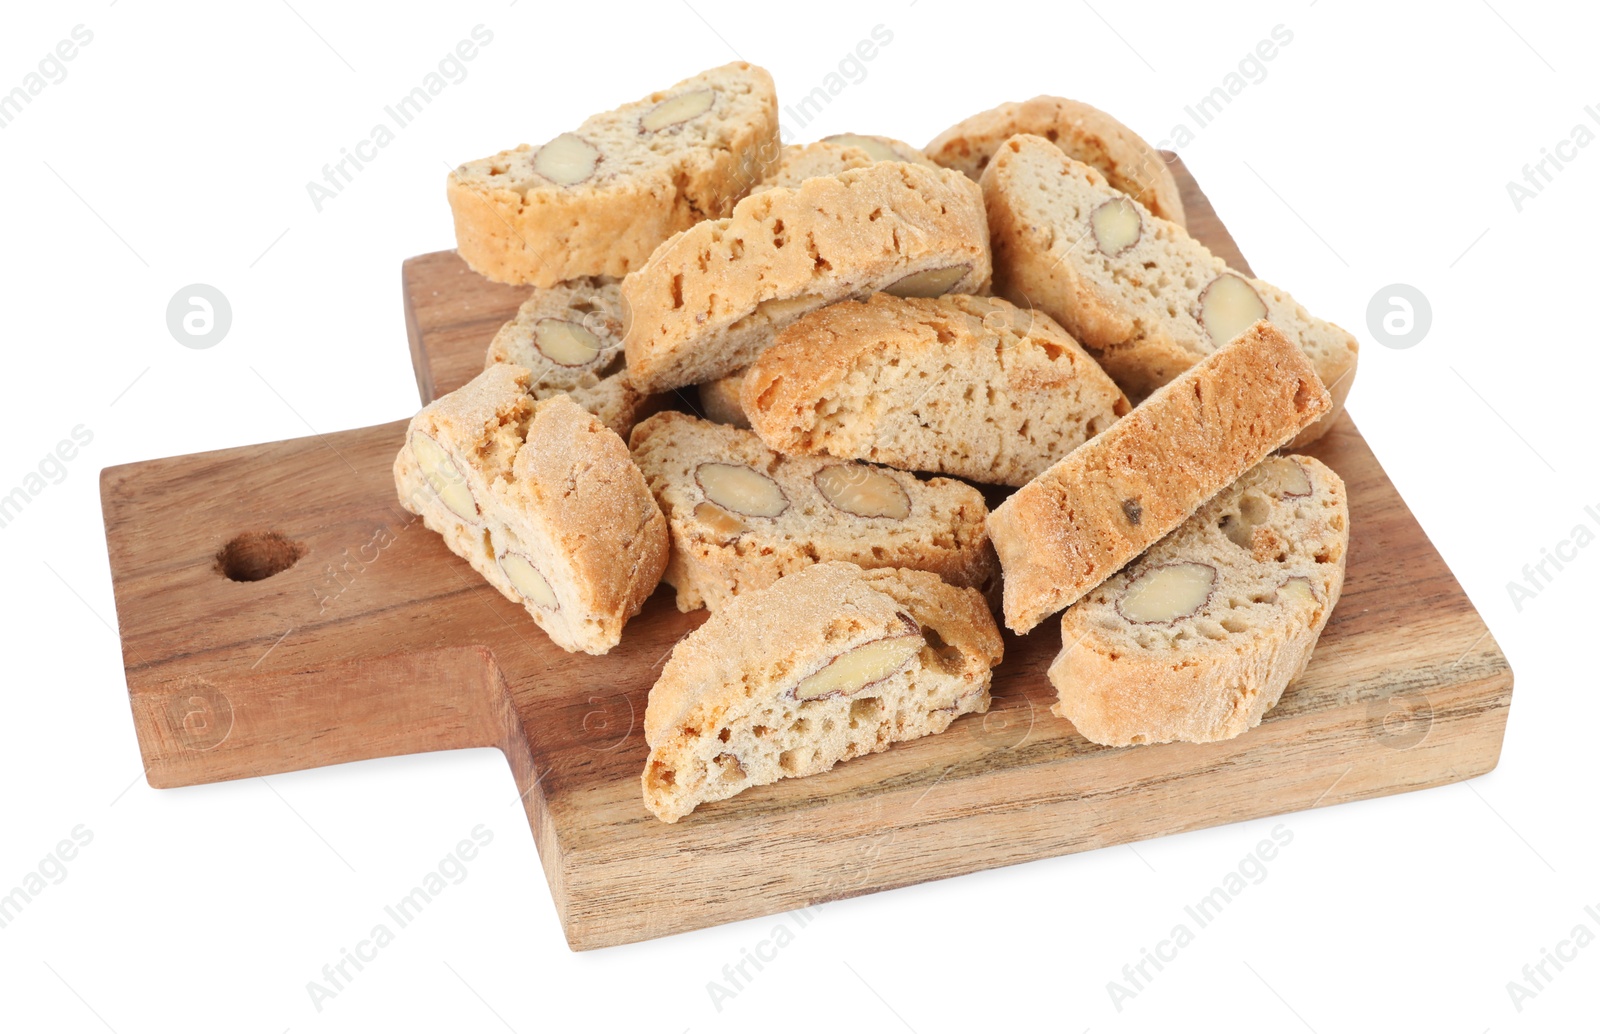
830,663
835,154
741,515
1141,294
1082,520
570,338
598,200
1080,131
1198,639
711,298
542,499
973,387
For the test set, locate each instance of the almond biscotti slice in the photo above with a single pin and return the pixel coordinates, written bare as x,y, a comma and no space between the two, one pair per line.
835,154
541,499
1079,522
1197,640
1149,300
974,387
597,201
719,398
742,516
1080,131
710,299
828,664
570,337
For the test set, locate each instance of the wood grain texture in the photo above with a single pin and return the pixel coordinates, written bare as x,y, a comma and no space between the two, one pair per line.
378,641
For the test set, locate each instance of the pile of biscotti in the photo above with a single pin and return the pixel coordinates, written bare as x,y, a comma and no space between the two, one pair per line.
772,376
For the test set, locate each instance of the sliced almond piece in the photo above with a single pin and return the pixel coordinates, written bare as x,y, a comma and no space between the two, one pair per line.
1117,226
1298,589
1167,593
719,520
741,489
566,343
855,670
877,150
929,283
786,310
529,583
728,766
1286,480
674,110
863,491
1228,306
444,477
567,160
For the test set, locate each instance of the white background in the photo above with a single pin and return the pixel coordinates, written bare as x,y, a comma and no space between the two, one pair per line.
177,150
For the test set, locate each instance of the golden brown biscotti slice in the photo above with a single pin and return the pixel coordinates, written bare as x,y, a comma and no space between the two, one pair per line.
835,154
719,400
597,201
1149,300
742,516
570,337
974,387
828,664
542,499
711,298
1197,640
1080,131
1079,522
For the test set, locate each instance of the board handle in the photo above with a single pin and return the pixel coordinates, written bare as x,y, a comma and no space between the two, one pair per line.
203,728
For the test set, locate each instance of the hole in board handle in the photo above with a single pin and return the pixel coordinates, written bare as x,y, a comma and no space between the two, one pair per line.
256,555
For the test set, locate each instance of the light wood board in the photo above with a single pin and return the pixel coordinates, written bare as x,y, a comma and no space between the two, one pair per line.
377,641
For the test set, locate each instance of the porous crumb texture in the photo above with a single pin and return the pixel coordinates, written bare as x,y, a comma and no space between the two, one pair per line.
711,298
1082,132
1090,514
834,155
718,554
517,226
591,308
1274,543
549,484
962,385
1139,310
724,716
719,400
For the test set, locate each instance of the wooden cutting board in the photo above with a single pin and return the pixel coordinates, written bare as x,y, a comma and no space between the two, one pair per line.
361,636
